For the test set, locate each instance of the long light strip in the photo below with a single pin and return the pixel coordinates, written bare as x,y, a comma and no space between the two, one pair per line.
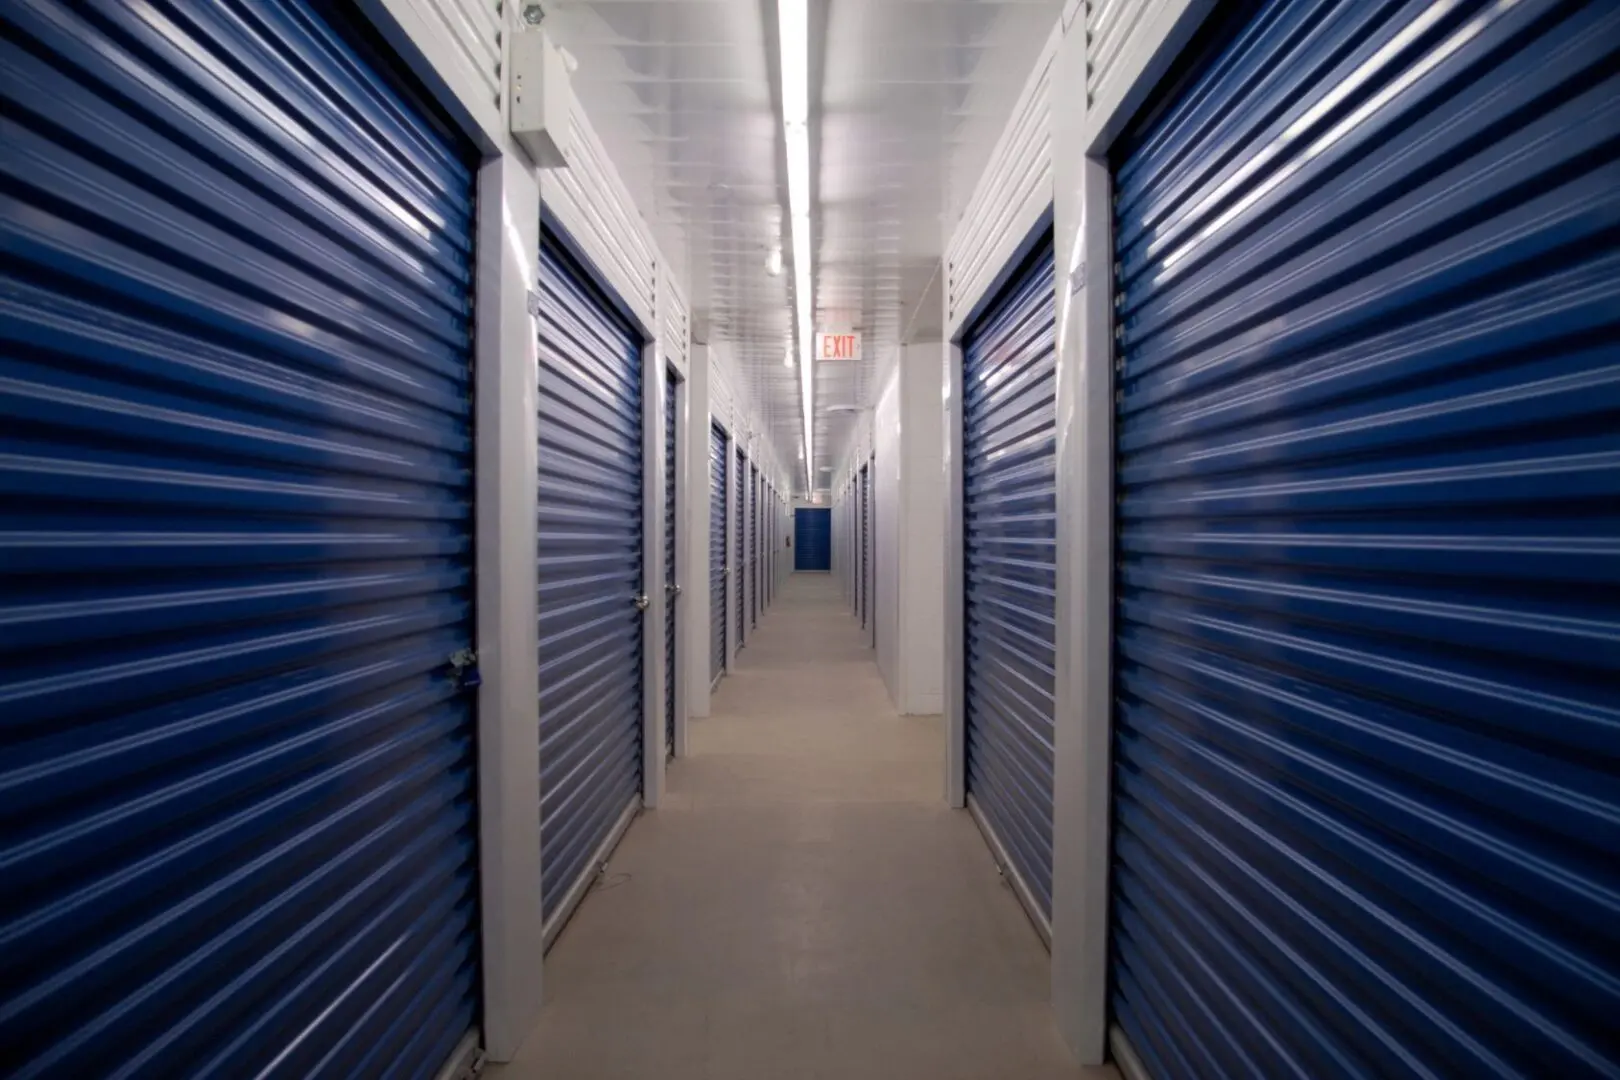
793,38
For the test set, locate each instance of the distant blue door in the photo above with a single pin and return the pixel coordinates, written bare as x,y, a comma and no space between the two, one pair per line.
237,818
590,572
812,539
1367,711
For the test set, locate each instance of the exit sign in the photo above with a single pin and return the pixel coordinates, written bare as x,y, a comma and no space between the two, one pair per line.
838,346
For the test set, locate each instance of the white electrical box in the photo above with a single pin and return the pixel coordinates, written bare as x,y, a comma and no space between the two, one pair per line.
542,99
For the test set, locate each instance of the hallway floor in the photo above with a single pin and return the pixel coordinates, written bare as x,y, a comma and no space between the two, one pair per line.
804,905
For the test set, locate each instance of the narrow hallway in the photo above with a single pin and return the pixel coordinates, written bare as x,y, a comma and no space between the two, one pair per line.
805,905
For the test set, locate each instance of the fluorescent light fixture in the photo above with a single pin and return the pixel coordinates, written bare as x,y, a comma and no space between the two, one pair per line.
793,40
793,32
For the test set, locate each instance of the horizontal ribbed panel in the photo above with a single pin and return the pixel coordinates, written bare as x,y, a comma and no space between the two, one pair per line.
1110,27
676,334
1368,777
722,397
235,559
589,570
472,29
1009,198
717,552
593,205
1009,553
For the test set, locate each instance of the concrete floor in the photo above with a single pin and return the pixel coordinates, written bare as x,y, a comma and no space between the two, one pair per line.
805,905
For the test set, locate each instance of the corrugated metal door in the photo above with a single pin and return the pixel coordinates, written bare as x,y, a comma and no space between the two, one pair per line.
871,562
236,774
590,573
1009,546
717,552
866,544
812,539
671,585
1367,773
753,547
741,548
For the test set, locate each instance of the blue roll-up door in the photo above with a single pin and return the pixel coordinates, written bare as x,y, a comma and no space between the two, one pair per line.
741,571
717,552
590,573
753,547
812,539
866,546
671,595
1368,627
236,774
1009,511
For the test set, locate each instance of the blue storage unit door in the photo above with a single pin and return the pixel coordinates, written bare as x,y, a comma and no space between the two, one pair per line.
753,547
812,539
236,774
870,553
671,586
860,546
740,571
717,552
1367,760
1009,371
590,573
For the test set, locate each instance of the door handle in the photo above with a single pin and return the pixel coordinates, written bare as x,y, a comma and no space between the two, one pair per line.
641,602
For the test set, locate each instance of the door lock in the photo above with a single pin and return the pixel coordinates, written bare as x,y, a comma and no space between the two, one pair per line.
672,590
641,602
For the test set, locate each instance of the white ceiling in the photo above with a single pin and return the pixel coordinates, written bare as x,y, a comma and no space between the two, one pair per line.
911,96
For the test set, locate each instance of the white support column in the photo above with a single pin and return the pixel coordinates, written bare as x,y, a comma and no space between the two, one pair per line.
654,380
1085,402
688,568
955,645
921,537
695,516
506,358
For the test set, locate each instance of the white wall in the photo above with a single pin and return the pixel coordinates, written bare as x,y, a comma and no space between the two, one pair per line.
922,538
887,492
907,435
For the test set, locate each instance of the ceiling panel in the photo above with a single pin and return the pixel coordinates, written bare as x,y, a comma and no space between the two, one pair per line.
911,93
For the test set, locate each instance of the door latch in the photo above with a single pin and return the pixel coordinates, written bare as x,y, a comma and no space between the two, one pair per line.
641,602
672,590
464,669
